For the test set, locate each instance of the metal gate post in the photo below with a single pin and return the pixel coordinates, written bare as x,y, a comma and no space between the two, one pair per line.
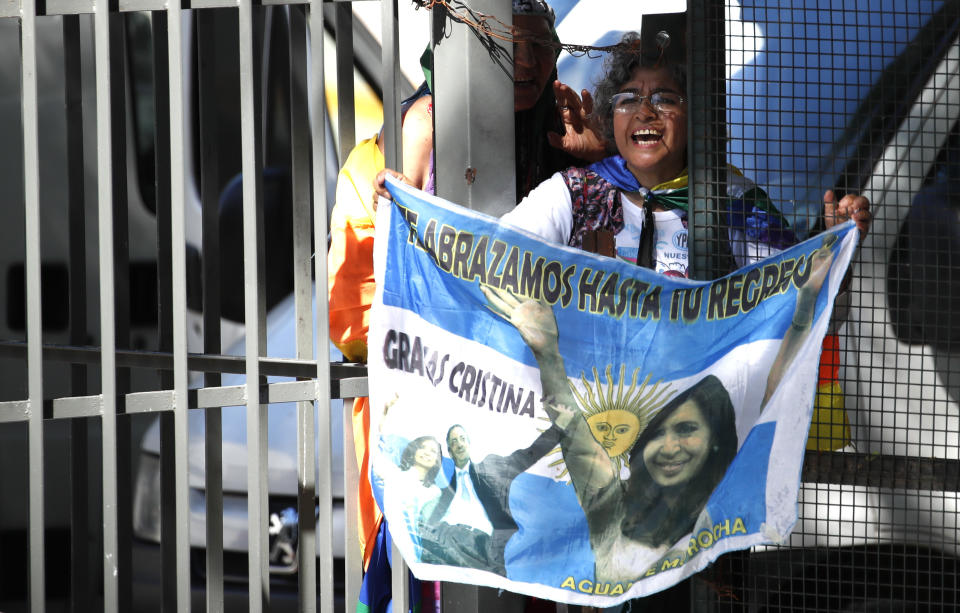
254,302
393,147
31,185
474,161
108,349
473,114
82,559
178,197
707,136
308,428
209,54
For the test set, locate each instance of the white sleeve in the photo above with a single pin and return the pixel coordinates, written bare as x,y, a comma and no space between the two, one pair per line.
547,211
746,251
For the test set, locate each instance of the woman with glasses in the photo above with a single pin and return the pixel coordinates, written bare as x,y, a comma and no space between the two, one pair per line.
633,204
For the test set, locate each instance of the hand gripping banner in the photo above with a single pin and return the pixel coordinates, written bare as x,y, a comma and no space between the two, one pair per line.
578,428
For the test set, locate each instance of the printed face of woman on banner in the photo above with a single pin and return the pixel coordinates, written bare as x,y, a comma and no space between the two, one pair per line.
428,455
422,455
679,447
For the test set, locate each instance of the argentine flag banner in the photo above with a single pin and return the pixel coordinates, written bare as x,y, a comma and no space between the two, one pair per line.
575,427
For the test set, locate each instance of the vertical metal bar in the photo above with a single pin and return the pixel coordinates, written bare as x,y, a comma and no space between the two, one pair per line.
107,321
707,146
81,592
467,83
254,306
393,158
31,185
121,304
706,131
352,562
391,84
466,80
178,242
346,110
709,247
165,308
209,195
307,427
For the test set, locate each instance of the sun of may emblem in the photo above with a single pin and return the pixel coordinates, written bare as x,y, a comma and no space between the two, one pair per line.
616,416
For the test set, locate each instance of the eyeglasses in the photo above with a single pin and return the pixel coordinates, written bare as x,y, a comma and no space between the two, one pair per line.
665,103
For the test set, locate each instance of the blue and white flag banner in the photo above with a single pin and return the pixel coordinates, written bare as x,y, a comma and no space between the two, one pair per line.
577,428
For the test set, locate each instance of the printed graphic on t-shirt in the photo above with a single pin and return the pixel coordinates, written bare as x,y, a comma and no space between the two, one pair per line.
628,240
670,240
671,252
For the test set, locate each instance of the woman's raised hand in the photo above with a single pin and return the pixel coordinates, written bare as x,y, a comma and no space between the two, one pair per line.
581,137
851,206
533,320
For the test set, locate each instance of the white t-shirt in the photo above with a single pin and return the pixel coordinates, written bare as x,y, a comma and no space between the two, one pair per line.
547,211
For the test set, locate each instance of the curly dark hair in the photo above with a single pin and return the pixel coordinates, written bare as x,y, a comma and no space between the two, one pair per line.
649,519
623,61
410,451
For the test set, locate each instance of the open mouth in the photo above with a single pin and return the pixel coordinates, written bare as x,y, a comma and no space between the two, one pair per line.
646,136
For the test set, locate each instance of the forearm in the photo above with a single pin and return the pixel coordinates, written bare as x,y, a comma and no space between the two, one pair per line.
793,339
558,400
587,461
590,468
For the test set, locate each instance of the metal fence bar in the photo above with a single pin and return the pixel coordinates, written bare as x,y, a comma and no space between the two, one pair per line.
11,8
233,395
353,560
75,407
31,169
316,100
706,138
108,384
475,175
14,411
165,308
254,305
393,156
307,428
121,305
80,570
280,367
346,115
178,242
210,177
390,39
